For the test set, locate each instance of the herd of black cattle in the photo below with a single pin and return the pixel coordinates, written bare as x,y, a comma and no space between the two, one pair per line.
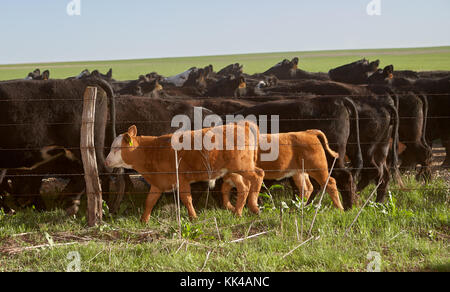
380,121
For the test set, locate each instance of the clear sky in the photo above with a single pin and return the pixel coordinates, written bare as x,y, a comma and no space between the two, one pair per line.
42,31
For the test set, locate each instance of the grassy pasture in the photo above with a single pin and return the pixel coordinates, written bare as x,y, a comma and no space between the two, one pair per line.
420,59
410,232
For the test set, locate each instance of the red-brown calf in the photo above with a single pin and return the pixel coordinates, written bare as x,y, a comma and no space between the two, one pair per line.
154,159
298,150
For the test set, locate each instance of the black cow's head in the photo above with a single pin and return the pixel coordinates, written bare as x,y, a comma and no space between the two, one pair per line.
197,78
208,70
84,74
285,69
233,69
228,86
382,76
354,73
373,66
150,86
154,76
106,77
36,75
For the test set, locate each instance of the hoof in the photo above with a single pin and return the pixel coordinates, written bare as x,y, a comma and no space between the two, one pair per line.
145,219
255,211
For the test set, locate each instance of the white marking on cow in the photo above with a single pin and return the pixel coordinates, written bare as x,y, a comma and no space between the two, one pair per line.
261,84
258,88
287,175
114,158
212,182
180,79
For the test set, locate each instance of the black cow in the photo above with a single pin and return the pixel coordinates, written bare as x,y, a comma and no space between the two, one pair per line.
233,69
437,92
384,76
379,124
36,75
42,120
370,106
94,74
354,73
148,85
413,115
433,74
191,83
4,190
412,110
229,86
288,70
106,77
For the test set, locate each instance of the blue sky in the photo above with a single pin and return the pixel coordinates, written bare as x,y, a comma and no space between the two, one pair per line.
41,30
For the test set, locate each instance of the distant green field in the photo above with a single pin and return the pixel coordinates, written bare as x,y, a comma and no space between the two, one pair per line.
419,59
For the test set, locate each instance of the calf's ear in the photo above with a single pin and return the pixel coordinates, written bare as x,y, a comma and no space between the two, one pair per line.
132,131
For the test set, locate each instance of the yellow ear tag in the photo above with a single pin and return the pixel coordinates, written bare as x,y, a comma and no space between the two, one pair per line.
131,143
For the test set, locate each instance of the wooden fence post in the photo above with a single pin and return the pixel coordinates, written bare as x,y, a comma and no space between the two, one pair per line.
93,187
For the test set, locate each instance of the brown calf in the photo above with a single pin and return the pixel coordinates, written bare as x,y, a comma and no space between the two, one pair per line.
154,159
298,150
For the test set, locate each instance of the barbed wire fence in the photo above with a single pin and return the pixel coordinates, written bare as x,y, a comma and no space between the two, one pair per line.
94,193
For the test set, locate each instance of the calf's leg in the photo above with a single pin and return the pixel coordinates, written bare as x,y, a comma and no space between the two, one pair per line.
152,197
321,177
186,198
255,180
242,185
226,189
302,183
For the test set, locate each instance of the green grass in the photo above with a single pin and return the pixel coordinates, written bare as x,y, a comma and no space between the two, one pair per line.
410,232
421,59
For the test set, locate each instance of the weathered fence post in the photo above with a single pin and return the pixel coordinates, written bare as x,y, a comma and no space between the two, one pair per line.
93,187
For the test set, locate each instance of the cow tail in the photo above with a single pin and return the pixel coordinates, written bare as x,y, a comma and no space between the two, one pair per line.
396,123
354,111
424,100
112,111
324,141
112,108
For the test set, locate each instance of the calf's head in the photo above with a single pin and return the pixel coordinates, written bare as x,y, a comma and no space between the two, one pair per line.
121,149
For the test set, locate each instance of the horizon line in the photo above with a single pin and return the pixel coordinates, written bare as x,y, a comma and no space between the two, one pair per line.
220,55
